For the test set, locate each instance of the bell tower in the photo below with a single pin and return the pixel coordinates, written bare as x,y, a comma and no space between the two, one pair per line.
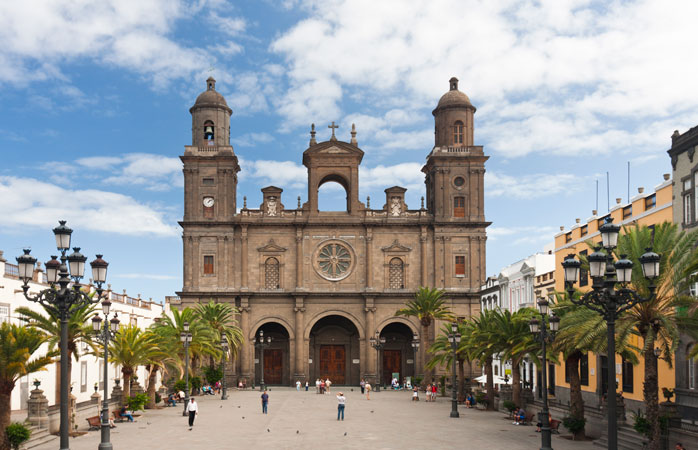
210,165
455,167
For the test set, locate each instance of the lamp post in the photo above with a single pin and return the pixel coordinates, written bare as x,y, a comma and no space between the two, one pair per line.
608,300
104,334
415,349
62,299
186,337
454,338
378,342
261,344
539,328
224,346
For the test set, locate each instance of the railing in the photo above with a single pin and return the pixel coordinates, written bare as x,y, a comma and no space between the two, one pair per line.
173,300
12,270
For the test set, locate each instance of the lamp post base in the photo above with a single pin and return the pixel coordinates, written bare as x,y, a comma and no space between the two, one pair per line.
455,414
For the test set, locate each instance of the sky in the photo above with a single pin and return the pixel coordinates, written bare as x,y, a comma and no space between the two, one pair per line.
94,100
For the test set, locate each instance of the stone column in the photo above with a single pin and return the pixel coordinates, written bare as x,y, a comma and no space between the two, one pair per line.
369,259
423,256
195,263
299,372
220,270
447,273
37,409
246,372
243,251
299,258
370,353
116,393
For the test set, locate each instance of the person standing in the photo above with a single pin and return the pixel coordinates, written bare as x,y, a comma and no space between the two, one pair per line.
265,401
298,385
306,385
363,385
193,410
341,402
368,391
317,386
328,383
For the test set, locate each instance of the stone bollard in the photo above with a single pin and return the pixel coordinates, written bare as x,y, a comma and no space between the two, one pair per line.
116,393
670,410
37,406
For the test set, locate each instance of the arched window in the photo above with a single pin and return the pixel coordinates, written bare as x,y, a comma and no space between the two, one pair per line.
208,130
691,369
458,132
496,370
396,274
271,274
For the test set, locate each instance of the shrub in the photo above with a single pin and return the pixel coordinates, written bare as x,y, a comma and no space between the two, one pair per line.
574,424
158,399
17,433
137,402
180,385
418,381
481,397
213,374
509,406
195,383
641,424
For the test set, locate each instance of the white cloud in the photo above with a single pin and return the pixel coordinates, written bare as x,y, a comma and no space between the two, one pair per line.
620,67
520,235
279,173
531,186
28,202
252,139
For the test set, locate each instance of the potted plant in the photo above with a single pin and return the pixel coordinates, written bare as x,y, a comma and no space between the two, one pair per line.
668,393
36,383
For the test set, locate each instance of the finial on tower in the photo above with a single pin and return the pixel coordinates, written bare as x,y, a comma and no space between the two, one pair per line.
211,84
353,135
368,201
422,202
312,134
244,202
454,83
333,126
299,202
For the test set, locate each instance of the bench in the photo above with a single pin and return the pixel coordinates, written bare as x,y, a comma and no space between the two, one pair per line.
554,425
94,422
529,419
117,417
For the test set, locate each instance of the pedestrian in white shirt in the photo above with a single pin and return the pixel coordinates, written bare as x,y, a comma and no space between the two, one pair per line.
341,402
193,410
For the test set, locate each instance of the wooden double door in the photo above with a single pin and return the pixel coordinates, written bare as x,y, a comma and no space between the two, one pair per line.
273,365
392,363
333,363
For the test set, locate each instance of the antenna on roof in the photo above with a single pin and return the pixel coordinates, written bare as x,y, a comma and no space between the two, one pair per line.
597,195
628,181
608,194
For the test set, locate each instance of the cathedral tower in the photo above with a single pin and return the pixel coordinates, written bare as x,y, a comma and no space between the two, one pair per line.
455,167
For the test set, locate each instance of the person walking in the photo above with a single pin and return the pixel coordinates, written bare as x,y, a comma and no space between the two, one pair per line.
368,391
193,410
298,385
265,401
341,402
363,386
328,383
317,386
306,385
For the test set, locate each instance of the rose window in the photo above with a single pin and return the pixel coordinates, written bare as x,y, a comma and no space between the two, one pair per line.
334,261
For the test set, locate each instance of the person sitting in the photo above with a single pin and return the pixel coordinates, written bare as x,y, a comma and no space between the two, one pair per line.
540,423
171,400
521,419
469,401
180,396
127,414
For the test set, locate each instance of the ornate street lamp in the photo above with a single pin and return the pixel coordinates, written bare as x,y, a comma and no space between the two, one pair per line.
261,344
415,349
544,330
378,342
62,299
610,301
454,338
186,337
104,334
224,346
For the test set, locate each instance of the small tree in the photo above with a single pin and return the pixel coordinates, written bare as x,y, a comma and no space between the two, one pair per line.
17,434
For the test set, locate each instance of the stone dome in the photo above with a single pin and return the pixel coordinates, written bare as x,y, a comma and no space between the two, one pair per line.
210,97
453,97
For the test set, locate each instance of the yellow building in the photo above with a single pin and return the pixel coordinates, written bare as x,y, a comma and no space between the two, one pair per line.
646,208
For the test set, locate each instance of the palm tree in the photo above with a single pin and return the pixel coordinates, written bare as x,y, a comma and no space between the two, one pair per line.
443,354
220,317
17,344
515,342
659,321
130,348
427,306
79,330
481,344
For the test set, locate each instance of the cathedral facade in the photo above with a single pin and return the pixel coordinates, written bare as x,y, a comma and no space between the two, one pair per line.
323,284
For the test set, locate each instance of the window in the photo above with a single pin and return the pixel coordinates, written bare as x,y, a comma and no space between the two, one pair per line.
396,274
601,221
101,374
551,379
458,206
584,230
458,132
650,202
208,265
272,280
133,321
584,370
688,201
208,181
459,181
583,273
627,376
627,211
83,376
208,130
460,266
568,237
496,370
4,312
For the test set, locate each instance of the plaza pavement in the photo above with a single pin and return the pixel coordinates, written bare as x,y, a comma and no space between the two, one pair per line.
305,420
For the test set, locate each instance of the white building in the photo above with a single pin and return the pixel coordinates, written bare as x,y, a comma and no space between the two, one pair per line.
88,370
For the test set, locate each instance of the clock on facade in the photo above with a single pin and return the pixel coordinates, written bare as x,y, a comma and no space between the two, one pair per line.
208,202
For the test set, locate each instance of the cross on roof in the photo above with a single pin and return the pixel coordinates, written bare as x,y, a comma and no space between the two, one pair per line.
333,126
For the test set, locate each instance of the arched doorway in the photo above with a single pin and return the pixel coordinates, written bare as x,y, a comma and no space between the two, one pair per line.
399,358
276,358
335,350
